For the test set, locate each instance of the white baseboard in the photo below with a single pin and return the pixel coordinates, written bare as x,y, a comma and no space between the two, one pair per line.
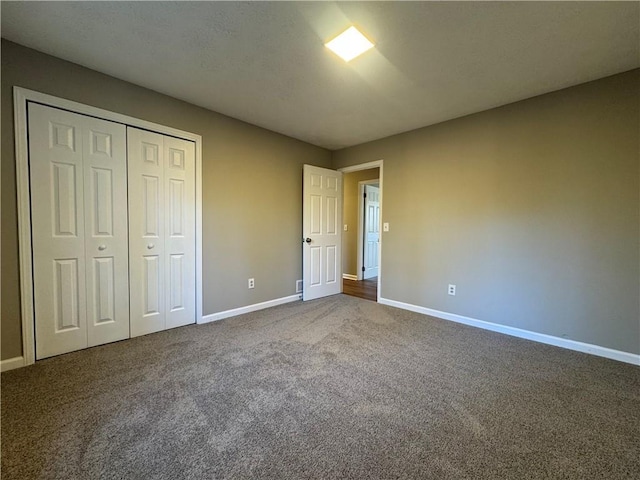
626,357
249,308
11,363
348,276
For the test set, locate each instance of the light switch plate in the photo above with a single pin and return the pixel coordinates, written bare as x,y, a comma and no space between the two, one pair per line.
345,227
385,227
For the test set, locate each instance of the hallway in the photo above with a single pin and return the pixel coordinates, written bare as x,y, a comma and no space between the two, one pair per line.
367,289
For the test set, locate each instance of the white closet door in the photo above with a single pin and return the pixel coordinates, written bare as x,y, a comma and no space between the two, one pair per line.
146,231
180,241
161,231
57,216
106,239
63,148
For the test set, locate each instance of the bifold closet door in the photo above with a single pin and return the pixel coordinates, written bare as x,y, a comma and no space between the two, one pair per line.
79,227
161,177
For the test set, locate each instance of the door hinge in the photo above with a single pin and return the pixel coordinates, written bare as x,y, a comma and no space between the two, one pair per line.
363,269
365,195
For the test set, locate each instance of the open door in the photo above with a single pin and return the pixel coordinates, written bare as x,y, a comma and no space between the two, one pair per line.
322,232
371,240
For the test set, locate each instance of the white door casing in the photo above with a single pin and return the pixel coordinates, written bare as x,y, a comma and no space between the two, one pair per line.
380,181
322,232
161,234
361,237
371,231
78,184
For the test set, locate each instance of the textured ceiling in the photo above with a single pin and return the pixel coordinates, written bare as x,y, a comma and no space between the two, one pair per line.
265,63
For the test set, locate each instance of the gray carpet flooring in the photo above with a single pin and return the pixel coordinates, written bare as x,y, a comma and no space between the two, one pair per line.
335,388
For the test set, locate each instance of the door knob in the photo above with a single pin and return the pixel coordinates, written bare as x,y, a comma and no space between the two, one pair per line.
102,247
150,246
308,240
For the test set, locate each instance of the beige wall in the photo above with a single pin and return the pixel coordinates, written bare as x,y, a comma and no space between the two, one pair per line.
350,217
531,209
252,184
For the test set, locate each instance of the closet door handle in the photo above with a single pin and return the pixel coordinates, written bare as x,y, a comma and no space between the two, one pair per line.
102,247
150,246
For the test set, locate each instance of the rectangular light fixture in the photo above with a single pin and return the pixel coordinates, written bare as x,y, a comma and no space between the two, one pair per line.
349,44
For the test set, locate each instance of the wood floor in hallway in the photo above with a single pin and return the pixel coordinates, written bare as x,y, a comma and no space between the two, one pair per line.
367,289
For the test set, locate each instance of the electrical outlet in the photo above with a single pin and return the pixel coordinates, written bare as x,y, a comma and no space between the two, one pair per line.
452,290
298,286
385,227
252,283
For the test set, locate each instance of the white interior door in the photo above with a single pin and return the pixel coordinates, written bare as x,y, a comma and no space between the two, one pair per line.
146,231
371,231
322,235
78,184
57,217
106,239
162,231
180,228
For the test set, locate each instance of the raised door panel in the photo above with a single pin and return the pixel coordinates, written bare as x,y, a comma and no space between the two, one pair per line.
66,283
315,266
332,265
176,293
106,231
102,200
315,214
57,217
179,231
177,207
332,236
104,291
146,231
151,286
65,201
151,207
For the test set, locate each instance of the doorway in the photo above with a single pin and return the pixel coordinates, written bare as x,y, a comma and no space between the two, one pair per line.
362,194
69,306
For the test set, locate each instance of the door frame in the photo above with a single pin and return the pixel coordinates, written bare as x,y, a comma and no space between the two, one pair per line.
361,230
21,97
366,166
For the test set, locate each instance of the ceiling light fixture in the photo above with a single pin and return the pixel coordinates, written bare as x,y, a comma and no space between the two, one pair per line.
349,44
